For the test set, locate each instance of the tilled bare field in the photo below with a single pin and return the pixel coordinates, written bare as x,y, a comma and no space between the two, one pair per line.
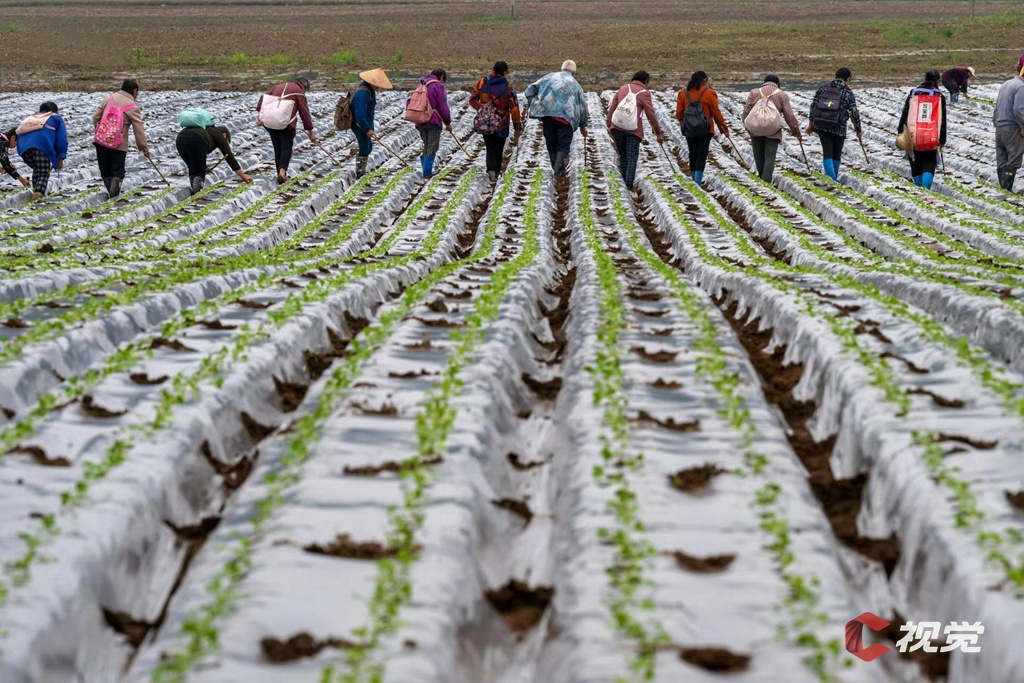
388,430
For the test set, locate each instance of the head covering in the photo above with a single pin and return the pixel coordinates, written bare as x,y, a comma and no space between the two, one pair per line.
377,78
303,81
971,69
569,65
905,141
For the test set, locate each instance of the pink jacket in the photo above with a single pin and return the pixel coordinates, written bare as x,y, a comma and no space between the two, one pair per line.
643,100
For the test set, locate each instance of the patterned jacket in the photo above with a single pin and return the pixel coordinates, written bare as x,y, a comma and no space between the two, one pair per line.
847,110
558,95
496,87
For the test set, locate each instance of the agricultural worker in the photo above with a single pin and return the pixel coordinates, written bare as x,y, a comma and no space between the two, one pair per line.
1009,120
766,110
284,103
926,128
956,81
197,138
43,145
9,141
364,106
496,106
121,109
697,112
832,108
562,108
627,127
437,107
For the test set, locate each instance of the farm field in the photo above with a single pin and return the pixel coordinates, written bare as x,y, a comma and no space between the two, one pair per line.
406,431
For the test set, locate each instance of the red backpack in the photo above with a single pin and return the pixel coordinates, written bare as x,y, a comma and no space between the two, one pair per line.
417,108
924,119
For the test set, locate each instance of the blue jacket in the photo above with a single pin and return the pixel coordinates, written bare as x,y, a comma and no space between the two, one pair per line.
560,96
364,105
52,139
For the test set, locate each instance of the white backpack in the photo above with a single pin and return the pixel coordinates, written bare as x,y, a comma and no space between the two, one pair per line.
277,113
626,115
764,119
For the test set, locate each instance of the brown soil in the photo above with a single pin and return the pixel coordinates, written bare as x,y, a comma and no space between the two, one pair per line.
702,565
520,606
933,665
386,409
40,457
344,546
146,380
665,384
412,374
438,322
299,646
695,480
216,324
92,409
15,323
233,474
973,443
255,430
133,630
172,344
192,533
1016,499
515,506
717,659
437,306
290,394
917,370
249,303
545,390
940,401
668,423
655,356
391,466
517,462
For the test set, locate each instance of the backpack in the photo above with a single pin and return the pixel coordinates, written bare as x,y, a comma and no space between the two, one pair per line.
764,118
489,119
195,117
278,112
626,115
923,120
828,108
695,121
417,107
110,130
31,124
344,117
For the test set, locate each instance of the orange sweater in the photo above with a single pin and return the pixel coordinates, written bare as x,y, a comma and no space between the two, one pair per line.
709,104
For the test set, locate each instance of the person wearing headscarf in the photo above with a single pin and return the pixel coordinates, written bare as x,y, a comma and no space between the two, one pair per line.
558,101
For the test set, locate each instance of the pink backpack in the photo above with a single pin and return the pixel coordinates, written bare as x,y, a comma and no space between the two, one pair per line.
110,130
418,109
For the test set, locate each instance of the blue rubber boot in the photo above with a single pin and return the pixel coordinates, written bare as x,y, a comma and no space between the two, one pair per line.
926,180
698,177
428,167
917,180
835,167
830,169
423,166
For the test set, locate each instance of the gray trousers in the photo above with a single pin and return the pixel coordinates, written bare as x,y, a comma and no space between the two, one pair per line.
1009,153
431,136
765,150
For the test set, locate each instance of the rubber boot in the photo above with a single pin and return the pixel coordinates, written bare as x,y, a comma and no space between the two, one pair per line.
106,184
492,177
835,166
926,180
423,168
428,166
830,169
559,166
698,177
115,187
917,180
195,184
1010,177
360,166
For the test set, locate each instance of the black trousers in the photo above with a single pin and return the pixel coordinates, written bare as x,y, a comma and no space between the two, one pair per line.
110,161
283,141
924,162
558,139
831,145
495,145
698,145
193,150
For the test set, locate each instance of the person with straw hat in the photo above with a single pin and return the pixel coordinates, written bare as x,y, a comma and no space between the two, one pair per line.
1008,117
278,109
956,81
558,101
364,105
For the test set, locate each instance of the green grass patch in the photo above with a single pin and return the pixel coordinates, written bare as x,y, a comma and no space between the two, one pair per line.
343,58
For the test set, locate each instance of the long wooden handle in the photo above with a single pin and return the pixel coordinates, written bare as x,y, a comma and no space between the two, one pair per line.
159,172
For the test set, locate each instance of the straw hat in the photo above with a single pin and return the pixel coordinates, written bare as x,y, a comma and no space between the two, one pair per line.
971,69
377,78
905,141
